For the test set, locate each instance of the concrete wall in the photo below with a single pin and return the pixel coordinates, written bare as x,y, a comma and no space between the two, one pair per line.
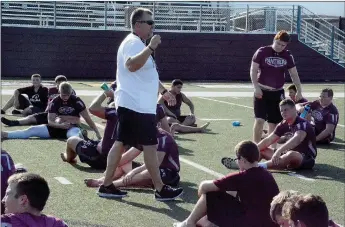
83,54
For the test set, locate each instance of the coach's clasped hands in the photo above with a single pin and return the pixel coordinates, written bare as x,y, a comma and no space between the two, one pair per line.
155,41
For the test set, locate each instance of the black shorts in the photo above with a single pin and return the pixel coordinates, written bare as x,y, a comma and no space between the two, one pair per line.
267,107
57,133
25,103
87,152
41,118
224,210
136,128
308,162
168,176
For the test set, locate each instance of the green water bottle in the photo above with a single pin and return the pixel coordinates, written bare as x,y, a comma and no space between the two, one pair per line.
105,87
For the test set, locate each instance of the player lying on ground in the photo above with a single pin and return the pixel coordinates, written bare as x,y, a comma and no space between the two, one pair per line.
299,152
36,102
63,118
324,116
236,200
283,198
42,117
26,196
134,174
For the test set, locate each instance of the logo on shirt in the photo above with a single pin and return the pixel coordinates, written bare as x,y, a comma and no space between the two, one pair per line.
65,110
317,115
275,62
35,98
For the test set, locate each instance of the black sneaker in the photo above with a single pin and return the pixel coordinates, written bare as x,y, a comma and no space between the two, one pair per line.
110,192
229,163
3,112
9,122
16,112
168,193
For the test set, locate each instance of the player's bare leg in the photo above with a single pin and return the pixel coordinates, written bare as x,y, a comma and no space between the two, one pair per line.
70,154
257,129
271,128
176,127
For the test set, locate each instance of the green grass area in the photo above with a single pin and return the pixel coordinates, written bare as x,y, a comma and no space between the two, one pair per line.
80,206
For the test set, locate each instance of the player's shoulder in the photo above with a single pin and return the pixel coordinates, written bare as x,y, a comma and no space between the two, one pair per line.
333,109
132,39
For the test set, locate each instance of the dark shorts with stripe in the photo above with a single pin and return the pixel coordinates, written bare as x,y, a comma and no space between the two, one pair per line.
168,176
87,152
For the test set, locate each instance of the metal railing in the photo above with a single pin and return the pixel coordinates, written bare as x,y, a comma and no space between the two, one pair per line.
321,35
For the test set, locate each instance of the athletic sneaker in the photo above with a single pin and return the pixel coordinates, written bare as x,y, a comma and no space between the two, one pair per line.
9,122
168,193
230,163
2,112
110,192
16,111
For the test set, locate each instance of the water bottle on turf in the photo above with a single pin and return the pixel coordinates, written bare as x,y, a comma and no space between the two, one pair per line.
305,111
236,123
105,87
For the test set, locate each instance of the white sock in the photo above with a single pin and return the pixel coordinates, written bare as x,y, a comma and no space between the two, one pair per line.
263,165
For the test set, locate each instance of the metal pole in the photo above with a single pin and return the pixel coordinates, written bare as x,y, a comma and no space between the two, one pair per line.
54,14
105,15
200,17
332,43
247,18
299,12
293,18
153,10
0,14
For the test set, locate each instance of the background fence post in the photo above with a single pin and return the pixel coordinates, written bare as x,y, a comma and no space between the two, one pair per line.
293,18
200,18
105,15
332,42
299,15
247,18
54,14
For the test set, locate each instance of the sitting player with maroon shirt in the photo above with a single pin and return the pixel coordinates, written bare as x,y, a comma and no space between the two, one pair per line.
325,116
38,118
135,174
292,94
63,118
299,152
25,198
36,102
267,73
236,200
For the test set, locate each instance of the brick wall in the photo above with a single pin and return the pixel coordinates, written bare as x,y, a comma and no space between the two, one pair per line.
82,54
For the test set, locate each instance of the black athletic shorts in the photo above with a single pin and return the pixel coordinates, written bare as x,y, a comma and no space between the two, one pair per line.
168,176
57,133
87,152
267,107
25,103
308,162
224,210
41,118
136,128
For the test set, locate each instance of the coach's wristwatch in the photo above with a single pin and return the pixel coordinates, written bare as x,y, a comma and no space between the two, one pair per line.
164,91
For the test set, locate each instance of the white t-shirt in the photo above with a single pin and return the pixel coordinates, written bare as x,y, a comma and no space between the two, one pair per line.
137,90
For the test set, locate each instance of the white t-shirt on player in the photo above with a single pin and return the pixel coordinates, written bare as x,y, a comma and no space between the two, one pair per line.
137,91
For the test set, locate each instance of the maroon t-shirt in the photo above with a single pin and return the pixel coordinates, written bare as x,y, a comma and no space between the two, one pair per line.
29,220
256,188
308,145
323,116
272,66
176,109
73,107
302,100
38,99
109,136
167,144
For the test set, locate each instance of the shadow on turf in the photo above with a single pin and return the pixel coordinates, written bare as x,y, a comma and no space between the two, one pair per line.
185,151
83,223
337,144
87,169
176,212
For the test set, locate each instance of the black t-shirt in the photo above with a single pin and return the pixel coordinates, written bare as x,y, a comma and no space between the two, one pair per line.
38,99
72,107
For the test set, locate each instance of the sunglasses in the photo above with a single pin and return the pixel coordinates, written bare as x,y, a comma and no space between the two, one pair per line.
149,22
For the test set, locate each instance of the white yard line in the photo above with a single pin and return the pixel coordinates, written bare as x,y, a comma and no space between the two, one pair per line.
235,104
62,180
218,119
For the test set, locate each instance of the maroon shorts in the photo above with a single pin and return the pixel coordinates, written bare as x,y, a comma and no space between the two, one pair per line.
267,107
224,210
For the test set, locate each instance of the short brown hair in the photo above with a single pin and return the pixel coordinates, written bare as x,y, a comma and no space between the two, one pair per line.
248,150
33,186
65,88
60,78
329,92
177,82
35,76
288,102
292,87
137,14
309,209
282,36
279,201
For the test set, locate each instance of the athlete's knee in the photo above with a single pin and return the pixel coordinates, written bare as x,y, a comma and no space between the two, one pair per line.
259,121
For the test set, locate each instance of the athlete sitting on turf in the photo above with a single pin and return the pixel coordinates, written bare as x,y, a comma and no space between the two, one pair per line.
136,175
25,198
292,94
236,200
299,152
37,98
38,118
63,118
325,116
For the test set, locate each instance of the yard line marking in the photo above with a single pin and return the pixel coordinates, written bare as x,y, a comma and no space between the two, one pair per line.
218,119
301,177
235,104
63,180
